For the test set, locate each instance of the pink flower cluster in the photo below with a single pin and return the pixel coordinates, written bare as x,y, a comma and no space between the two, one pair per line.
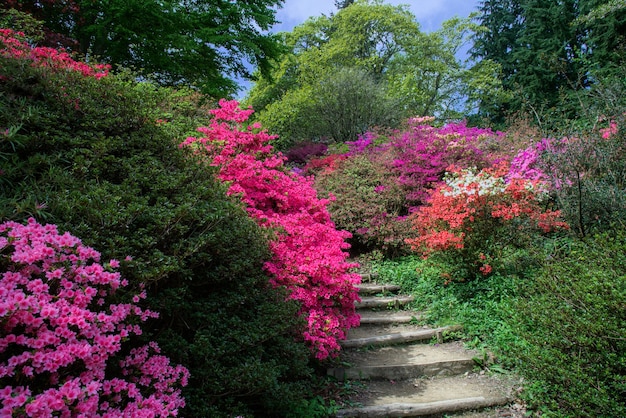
308,251
14,46
419,156
60,340
610,131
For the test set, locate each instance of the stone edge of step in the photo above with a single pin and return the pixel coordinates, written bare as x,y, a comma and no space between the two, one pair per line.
422,409
382,302
399,317
373,288
399,337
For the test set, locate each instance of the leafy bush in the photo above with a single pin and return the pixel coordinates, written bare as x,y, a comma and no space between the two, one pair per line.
61,342
308,252
571,319
473,216
92,157
591,173
302,152
368,202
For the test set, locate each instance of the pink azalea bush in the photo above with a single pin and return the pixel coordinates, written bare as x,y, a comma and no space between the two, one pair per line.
13,45
308,251
61,342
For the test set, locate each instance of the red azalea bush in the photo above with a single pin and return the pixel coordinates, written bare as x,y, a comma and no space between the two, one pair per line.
14,45
308,251
61,343
474,213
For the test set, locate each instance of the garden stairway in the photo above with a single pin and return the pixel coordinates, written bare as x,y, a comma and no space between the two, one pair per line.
402,374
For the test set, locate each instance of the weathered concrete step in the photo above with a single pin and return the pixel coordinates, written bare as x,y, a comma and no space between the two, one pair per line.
375,330
422,397
368,277
406,362
388,317
373,288
398,337
383,302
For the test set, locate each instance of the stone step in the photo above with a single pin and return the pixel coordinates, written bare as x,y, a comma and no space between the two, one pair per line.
388,317
422,397
373,288
391,302
375,330
402,335
405,362
368,277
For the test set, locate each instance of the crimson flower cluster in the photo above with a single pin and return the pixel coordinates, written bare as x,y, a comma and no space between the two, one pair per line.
61,342
308,251
14,46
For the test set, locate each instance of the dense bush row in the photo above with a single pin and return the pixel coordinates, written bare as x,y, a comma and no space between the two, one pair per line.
99,157
308,256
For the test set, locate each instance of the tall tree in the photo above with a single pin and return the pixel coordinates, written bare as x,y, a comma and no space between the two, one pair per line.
430,79
548,49
205,43
376,45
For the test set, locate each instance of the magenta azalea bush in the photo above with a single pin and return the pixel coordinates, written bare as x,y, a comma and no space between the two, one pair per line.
380,183
61,342
308,251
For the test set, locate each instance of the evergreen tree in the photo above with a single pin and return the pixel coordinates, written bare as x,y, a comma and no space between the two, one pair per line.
548,49
342,4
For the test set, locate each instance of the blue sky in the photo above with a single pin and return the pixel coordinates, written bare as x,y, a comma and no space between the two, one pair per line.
429,13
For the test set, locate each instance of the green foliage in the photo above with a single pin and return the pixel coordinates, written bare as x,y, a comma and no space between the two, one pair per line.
335,108
548,50
22,22
202,43
368,65
571,319
430,79
482,307
555,316
368,203
100,158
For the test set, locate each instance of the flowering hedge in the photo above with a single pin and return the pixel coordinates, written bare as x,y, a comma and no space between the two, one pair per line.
472,213
308,251
61,343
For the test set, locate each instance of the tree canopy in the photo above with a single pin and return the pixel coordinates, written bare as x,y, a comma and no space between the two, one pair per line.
205,43
404,71
547,49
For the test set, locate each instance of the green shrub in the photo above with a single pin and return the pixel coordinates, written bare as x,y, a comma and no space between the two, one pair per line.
100,159
369,203
572,320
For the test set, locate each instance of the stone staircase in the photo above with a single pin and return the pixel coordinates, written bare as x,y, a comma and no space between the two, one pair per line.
408,370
